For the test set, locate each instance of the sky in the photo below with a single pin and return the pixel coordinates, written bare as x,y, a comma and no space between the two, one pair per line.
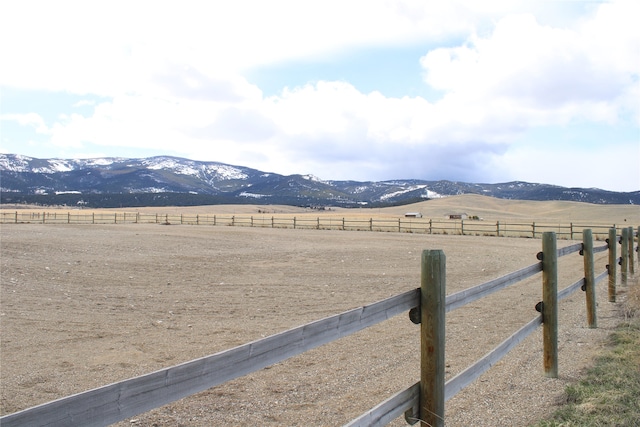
477,91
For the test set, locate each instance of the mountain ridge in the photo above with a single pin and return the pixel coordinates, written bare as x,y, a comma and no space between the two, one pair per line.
168,180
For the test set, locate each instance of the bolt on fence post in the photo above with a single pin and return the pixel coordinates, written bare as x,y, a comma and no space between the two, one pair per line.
624,253
612,242
589,277
550,303
432,342
631,241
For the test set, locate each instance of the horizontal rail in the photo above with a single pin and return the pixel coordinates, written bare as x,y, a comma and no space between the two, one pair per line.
601,276
115,402
574,287
570,289
569,249
466,296
466,377
390,409
600,249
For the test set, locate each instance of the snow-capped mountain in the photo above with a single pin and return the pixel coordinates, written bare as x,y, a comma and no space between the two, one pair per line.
164,180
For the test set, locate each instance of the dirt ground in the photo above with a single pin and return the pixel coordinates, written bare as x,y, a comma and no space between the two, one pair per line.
84,306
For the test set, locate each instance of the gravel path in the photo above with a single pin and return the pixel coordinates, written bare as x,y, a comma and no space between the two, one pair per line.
84,306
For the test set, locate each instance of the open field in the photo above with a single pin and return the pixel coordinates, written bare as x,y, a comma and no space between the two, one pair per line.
487,208
83,306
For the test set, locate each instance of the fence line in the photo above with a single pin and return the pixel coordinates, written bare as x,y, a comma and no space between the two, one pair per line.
115,402
427,306
402,224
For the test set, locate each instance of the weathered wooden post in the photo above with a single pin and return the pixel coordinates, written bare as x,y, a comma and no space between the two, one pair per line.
589,277
624,253
612,242
550,303
631,260
638,246
432,342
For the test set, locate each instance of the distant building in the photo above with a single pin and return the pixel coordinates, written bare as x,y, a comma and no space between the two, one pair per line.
413,215
457,216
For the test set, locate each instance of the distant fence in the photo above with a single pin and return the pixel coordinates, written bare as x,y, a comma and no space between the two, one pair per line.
427,305
327,222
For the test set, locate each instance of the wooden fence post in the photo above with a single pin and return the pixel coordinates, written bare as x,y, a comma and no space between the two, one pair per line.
624,253
498,229
638,246
631,244
432,342
612,242
589,277
550,303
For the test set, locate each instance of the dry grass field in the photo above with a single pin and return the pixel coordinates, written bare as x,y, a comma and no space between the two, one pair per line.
86,305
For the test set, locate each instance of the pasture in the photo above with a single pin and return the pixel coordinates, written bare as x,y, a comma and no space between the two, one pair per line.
86,305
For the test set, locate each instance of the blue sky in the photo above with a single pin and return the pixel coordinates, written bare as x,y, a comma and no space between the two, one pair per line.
492,91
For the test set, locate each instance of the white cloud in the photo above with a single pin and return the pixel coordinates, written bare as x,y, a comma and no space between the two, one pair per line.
32,120
540,74
564,165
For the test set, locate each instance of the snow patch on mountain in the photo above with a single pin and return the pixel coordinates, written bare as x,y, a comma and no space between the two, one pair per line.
400,192
185,167
252,195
